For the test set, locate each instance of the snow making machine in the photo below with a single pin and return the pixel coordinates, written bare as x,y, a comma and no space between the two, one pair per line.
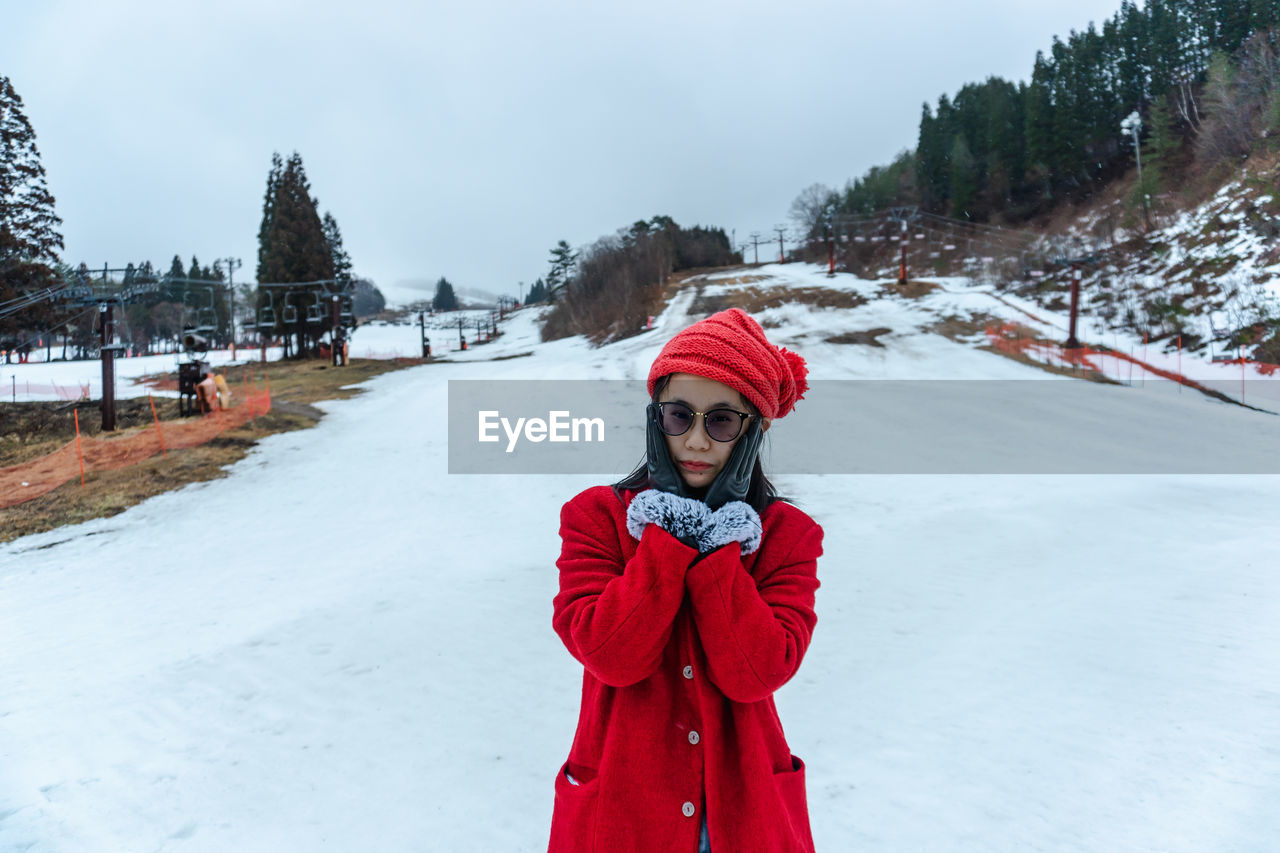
189,375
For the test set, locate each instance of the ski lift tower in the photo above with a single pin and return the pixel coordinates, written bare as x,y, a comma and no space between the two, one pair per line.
1075,262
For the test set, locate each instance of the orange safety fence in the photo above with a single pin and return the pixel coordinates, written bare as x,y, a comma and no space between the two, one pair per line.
1009,338
20,483
79,391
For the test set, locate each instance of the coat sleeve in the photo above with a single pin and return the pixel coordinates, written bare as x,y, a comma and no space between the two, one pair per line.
755,633
615,618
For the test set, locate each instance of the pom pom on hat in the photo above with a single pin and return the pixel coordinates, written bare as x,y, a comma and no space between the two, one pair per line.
730,347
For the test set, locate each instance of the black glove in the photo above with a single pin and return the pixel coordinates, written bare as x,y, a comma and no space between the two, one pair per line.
732,481
662,471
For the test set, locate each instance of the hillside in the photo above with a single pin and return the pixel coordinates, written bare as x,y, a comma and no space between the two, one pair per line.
1209,273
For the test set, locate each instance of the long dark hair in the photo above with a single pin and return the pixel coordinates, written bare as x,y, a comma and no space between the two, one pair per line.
760,492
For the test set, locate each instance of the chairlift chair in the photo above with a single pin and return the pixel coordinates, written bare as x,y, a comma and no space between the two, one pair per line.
290,314
206,320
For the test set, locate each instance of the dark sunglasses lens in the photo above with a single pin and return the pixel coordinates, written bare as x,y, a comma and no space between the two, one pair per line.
723,424
675,419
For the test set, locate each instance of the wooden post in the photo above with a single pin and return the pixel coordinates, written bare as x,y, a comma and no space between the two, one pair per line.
1072,343
157,420
79,452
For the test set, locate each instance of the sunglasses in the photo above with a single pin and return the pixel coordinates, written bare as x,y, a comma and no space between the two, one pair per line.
721,424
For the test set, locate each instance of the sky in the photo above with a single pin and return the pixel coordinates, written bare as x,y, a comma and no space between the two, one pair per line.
465,139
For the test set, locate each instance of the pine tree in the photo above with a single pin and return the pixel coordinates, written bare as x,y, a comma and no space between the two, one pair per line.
964,179
444,300
537,293
292,244
294,248
341,260
29,237
932,163
564,258
268,211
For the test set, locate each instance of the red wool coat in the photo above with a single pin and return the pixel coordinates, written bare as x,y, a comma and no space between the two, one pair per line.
680,665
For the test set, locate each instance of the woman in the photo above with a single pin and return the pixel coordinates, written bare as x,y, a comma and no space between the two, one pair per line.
686,592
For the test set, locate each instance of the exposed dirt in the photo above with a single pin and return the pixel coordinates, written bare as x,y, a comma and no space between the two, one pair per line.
866,338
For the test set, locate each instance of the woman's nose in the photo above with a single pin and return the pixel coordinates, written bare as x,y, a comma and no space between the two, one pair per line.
697,436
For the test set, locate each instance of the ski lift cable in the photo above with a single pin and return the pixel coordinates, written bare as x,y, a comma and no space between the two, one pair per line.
21,303
38,335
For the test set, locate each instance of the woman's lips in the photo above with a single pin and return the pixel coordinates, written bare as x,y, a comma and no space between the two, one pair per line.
695,466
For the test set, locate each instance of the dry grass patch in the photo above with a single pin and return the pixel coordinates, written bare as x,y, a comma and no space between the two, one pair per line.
958,327
913,289
756,299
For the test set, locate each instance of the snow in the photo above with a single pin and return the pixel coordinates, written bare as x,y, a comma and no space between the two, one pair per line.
340,646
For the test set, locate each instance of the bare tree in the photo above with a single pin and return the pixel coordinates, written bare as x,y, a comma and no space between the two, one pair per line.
811,208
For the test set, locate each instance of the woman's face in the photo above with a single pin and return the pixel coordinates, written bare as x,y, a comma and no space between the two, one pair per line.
695,454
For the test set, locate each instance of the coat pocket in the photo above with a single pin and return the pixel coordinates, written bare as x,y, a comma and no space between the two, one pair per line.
573,818
790,785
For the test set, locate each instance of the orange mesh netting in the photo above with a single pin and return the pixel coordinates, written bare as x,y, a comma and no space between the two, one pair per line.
79,391
1010,338
37,477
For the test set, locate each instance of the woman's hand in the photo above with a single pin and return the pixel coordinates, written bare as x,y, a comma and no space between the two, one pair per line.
693,523
662,471
734,522
684,518
733,481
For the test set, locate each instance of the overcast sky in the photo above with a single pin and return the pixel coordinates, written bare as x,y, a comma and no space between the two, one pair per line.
465,139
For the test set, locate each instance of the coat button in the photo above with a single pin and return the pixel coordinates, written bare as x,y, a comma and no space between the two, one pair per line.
688,672
687,808
693,737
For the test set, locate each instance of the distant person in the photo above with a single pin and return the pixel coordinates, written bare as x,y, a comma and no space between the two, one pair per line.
687,594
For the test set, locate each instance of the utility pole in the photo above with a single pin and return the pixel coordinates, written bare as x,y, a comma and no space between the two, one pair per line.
233,264
755,245
108,368
1075,263
902,264
335,331
782,255
1132,124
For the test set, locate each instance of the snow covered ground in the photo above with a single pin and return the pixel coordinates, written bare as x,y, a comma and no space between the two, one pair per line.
340,646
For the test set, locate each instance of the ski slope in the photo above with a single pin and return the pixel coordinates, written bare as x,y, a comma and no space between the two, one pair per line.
342,647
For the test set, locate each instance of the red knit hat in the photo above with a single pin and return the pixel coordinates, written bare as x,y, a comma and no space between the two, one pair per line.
730,347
